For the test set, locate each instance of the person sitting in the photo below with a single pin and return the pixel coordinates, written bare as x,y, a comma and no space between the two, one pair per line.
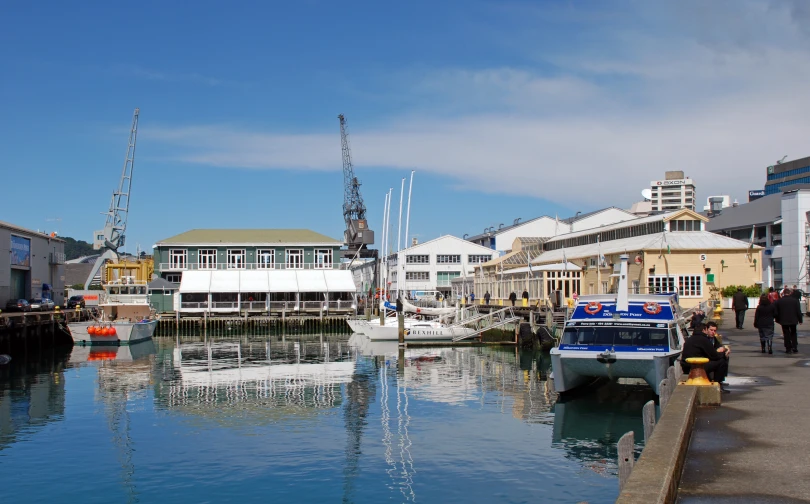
702,344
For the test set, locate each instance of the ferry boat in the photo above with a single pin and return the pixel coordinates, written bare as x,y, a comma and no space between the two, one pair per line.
125,316
619,336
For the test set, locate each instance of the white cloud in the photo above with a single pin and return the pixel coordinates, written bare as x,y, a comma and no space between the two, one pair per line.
719,104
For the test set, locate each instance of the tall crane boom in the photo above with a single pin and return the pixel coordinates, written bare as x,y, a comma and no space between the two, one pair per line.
112,237
357,232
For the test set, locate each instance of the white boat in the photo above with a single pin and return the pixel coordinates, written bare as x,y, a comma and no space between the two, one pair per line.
126,317
619,336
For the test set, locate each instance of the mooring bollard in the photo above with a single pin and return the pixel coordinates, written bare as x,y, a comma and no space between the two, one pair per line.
664,393
648,417
625,447
401,328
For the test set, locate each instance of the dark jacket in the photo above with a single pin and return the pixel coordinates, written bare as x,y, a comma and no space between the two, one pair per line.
525,295
788,311
797,294
764,316
699,345
697,318
740,301
512,297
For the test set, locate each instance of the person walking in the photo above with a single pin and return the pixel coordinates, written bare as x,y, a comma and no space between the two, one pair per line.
763,321
486,297
513,298
788,314
701,344
773,296
472,297
739,304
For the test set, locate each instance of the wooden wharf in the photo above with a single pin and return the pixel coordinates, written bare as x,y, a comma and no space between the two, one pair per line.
20,332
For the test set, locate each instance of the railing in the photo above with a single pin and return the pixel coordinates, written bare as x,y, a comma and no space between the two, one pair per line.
245,266
224,305
194,304
56,258
125,299
776,239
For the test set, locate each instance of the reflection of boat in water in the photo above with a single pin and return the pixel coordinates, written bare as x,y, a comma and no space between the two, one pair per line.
126,317
620,336
126,353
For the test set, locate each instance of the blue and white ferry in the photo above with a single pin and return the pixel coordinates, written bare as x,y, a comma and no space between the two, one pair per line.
619,336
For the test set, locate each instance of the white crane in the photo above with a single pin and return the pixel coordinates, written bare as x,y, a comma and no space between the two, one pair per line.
111,238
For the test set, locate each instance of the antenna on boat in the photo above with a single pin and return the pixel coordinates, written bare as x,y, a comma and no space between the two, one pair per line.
621,295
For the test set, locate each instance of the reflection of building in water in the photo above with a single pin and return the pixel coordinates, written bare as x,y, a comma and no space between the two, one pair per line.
32,394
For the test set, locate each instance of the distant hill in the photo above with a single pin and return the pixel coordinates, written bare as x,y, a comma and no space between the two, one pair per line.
75,249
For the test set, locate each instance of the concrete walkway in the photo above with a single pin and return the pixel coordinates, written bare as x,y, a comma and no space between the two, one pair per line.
756,446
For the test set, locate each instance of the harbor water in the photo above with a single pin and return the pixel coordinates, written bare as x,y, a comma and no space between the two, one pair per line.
304,419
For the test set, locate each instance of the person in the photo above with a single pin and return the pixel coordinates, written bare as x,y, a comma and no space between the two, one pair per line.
525,296
772,295
697,318
486,297
763,321
797,293
472,297
701,344
513,298
465,299
739,304
788,312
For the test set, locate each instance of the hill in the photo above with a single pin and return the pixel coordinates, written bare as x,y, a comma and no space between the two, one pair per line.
77,248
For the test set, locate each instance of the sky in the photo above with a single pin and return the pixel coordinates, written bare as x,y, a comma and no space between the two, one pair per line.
504,109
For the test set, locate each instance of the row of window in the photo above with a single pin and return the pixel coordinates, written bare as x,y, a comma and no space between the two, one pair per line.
775,188
684,285
788,173
237,258
447,259
685,225
615,234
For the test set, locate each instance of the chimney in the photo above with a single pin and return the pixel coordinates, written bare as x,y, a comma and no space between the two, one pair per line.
414,242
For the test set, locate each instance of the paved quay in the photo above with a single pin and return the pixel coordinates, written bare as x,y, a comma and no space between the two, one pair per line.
756,446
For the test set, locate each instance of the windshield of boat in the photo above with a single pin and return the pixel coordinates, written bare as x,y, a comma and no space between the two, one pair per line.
616,336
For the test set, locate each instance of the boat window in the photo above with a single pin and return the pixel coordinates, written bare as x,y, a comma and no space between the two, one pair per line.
616,336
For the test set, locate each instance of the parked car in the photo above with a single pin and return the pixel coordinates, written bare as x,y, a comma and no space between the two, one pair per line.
41,304
74,301
48,305
36,305
18,305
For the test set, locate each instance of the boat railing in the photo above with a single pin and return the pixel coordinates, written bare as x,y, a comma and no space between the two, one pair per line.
188,266
124,299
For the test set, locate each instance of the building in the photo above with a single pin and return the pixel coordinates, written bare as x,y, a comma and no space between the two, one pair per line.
676,191
32,265
778,222
781,175
669,252
259,270
716,204
431,266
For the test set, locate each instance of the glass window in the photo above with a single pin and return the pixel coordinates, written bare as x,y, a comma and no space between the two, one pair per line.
265,258
178,258
323,258
661,284
448,259
417,275
478,259
417,259
443,278
690,285
173,277
236,258
295,259
208,258
616,336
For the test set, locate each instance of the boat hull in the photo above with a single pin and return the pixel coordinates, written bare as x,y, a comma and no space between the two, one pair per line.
126,333
391,333
575,368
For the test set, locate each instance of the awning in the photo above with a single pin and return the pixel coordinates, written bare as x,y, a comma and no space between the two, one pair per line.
339,281
311,281
254,281
224,281
195,282
282,281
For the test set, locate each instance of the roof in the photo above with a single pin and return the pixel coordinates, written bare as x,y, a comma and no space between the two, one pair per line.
250,236
466,243
161,283
266,281
628,223
571,220
764,210
32,233
505,228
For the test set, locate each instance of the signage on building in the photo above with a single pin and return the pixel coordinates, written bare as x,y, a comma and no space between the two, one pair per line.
676,182
20,251
752,195
702,257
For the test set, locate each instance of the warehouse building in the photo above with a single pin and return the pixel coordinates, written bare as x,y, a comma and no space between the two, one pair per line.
32,265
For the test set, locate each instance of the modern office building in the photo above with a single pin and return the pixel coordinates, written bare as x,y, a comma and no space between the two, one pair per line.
676,191
32,265
781,175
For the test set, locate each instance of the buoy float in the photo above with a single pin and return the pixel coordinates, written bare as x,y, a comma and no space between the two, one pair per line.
91,330
112,331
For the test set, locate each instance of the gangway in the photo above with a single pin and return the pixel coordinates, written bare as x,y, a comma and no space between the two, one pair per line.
486,321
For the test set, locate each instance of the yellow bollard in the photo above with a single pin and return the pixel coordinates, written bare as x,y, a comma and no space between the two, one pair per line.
697,375
525,302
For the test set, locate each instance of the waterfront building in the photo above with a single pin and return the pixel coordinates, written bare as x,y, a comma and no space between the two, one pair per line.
781,175
676,191
32,265
778,222
669,252
257,270
432,265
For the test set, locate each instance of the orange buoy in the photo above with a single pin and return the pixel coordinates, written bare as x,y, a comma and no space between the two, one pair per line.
91,330
111,331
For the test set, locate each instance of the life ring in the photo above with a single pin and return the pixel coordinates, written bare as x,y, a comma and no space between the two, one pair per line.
593,307
651,307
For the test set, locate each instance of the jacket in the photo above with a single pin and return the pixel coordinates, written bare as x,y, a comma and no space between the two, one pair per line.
764,316
740,301
788,311
699,345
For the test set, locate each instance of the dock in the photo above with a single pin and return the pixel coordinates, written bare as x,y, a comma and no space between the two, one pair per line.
20,332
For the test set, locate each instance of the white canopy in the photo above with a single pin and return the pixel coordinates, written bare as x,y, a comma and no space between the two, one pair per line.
254,281
282,281
339,281
311,281
195,282
224,281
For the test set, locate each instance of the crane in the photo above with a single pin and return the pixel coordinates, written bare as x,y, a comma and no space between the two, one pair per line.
111,238
357,233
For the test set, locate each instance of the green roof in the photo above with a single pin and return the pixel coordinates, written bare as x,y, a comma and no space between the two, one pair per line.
263,236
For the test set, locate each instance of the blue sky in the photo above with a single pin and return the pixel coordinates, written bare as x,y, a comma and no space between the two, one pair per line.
504,109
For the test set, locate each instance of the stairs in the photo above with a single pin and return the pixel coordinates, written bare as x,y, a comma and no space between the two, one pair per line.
485,322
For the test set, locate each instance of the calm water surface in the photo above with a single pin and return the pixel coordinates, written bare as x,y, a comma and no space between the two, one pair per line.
304,420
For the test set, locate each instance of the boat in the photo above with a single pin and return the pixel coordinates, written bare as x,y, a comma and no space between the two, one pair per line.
417,328
125,316
619,336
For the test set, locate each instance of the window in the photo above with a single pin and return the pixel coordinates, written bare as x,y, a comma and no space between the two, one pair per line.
236,258
443,278
604,288
777,272
660,283
295,259
684,225
208,259
448,259
178,258
636,287
323,258
173,277
417,275
265,259
478,259
417,259
690,285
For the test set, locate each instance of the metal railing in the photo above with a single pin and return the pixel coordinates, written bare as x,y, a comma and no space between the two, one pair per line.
194,305
175,266
56,258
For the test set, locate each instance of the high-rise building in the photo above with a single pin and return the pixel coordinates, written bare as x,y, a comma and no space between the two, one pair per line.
673,193
782,175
